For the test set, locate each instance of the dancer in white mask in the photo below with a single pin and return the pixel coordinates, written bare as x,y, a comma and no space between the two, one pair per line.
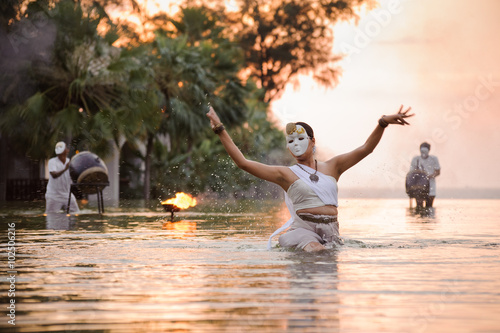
310,186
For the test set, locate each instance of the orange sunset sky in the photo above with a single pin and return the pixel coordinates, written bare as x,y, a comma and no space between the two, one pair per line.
442,58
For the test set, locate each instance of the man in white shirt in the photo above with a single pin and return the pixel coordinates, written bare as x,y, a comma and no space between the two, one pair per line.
430,165
59,184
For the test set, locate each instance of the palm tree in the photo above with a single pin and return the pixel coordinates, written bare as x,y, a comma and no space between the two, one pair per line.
87,90
194,65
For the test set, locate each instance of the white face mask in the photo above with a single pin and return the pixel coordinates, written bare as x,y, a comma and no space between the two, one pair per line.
298,141
424,152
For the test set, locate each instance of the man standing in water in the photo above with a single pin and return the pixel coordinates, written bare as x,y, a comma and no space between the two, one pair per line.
59,184
430,165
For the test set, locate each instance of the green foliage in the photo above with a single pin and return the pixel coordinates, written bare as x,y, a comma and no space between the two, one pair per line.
68,81
208,167
197,64
88,91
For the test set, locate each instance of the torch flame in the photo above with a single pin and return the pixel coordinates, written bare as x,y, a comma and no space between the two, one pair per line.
181,200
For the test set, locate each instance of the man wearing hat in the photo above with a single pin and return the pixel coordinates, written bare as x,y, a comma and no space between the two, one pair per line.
59,184
430,165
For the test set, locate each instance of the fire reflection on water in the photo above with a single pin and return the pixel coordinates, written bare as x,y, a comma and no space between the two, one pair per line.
181,229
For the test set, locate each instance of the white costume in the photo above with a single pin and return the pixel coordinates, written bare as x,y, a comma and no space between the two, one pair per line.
57,193
304,193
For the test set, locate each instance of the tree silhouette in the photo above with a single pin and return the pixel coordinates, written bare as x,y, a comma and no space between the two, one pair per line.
285,38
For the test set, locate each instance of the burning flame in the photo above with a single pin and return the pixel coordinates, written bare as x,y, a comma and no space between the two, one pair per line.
181,200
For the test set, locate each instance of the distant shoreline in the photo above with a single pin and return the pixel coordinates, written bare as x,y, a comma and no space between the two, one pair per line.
444,193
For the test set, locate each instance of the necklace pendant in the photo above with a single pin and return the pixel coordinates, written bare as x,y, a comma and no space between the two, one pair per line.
314,178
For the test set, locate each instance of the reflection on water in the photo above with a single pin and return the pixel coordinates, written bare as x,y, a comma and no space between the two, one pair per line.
181,228
425,214
426,217
399,271
313,282
58,221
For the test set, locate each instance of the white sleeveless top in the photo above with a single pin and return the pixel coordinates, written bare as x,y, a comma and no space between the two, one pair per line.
303,196
321,193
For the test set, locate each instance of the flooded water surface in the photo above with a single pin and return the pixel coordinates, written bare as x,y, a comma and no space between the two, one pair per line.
209,271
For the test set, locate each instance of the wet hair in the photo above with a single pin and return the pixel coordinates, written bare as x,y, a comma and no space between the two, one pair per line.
425,144
309,130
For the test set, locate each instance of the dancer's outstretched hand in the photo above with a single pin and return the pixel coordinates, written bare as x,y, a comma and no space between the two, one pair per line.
399,118
214,118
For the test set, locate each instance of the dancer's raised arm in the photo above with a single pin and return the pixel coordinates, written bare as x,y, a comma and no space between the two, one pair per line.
339,164
275,174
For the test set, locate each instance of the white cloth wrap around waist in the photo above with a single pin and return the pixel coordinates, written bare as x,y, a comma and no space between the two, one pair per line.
325,188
